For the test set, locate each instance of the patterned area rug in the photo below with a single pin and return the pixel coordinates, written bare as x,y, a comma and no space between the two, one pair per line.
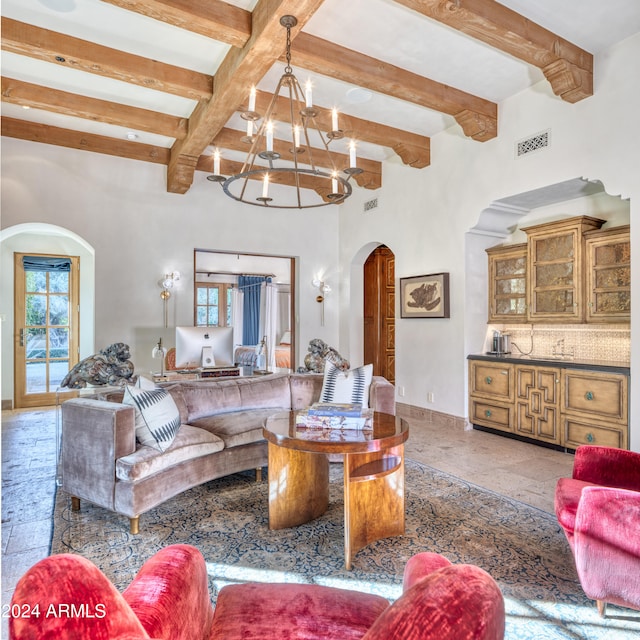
523,548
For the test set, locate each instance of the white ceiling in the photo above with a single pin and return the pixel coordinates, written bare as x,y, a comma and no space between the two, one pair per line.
381,29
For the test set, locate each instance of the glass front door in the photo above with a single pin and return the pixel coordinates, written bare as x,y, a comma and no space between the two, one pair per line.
46,321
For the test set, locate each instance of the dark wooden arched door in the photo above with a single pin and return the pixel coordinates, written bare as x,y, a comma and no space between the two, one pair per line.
379,312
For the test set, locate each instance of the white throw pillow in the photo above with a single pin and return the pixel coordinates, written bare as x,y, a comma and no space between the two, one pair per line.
347,386
157,416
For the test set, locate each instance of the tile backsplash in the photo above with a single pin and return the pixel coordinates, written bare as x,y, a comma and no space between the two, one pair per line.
583,341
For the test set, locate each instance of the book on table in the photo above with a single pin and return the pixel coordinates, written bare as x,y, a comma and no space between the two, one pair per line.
308,420
347,409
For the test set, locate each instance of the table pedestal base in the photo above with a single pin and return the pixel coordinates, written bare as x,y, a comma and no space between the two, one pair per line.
373,493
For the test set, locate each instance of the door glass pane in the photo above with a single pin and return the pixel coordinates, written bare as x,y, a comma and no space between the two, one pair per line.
36,343
59,342
554,248
57,371
201,316
59,310
213,316
201,295
59,282
36,310
36,377
213,295
555,275
36,281
554,301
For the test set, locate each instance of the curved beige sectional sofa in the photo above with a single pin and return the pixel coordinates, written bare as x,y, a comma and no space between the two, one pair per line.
220,434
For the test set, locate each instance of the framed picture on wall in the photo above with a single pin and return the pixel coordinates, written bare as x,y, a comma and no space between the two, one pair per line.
425,296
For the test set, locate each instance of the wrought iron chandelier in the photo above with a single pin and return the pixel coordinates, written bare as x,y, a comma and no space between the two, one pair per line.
312,170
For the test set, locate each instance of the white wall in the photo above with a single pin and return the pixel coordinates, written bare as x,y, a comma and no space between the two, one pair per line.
139,232
423,216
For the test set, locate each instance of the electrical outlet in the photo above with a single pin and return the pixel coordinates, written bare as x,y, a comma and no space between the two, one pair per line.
431,397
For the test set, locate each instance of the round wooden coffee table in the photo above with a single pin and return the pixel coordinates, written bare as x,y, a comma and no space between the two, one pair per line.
373,476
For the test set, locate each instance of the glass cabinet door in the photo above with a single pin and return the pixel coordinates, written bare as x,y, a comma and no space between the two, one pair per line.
507,283
609,275
556,288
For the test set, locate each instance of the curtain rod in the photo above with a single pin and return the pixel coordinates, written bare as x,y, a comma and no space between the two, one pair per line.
236,273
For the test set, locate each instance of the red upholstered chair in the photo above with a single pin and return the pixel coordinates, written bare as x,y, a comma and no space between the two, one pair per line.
599,510
440,601
66,597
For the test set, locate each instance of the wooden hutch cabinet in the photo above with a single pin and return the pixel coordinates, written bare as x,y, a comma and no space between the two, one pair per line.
556,403
608,260
556,269
508,283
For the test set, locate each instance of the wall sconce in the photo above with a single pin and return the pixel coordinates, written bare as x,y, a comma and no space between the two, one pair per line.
166,284
323,289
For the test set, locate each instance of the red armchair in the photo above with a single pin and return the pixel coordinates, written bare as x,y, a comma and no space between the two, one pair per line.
599,510
441,601
66,597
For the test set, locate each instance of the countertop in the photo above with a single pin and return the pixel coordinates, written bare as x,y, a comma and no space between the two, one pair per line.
560,362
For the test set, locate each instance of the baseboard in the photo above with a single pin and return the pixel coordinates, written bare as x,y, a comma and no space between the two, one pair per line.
409,411
7,405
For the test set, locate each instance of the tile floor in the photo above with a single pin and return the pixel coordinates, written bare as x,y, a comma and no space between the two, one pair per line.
523,471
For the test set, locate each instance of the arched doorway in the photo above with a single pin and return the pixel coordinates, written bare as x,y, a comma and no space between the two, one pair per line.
379,312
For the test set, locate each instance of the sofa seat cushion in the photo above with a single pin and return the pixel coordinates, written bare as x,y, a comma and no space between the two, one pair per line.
255,611
189,443
567,498
237,427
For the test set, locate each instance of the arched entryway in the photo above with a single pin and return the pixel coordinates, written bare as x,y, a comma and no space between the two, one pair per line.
379,312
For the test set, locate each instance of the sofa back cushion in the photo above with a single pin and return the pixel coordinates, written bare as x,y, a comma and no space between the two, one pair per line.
305,389
208,398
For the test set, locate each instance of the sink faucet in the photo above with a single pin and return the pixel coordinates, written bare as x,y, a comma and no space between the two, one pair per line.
558,349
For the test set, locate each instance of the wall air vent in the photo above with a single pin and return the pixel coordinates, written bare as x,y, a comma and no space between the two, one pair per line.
534,143
370,204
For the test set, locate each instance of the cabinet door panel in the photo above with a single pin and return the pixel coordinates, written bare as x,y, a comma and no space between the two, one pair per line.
493,381
549,248
555,275
537,403
596,394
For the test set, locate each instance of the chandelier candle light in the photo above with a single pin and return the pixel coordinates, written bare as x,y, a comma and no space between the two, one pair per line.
304,167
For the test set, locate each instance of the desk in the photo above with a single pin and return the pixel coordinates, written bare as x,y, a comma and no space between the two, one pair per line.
373,477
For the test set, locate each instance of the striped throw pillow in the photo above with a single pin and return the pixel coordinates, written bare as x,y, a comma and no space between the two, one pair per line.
347,386
157,416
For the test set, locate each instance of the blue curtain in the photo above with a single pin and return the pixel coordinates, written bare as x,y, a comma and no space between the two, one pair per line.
251,285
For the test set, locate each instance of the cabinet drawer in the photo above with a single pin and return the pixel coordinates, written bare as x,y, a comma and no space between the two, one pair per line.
491,415
577,432
595,394
490,380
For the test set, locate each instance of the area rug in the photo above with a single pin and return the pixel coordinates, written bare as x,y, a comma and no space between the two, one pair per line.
522,547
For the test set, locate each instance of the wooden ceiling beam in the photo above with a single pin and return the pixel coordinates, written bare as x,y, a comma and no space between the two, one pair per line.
34,96
413,149
46,134
568,68
57,48
477,117
239,71
211,18
370,178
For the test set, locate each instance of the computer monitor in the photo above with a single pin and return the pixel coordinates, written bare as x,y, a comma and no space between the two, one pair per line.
204,347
